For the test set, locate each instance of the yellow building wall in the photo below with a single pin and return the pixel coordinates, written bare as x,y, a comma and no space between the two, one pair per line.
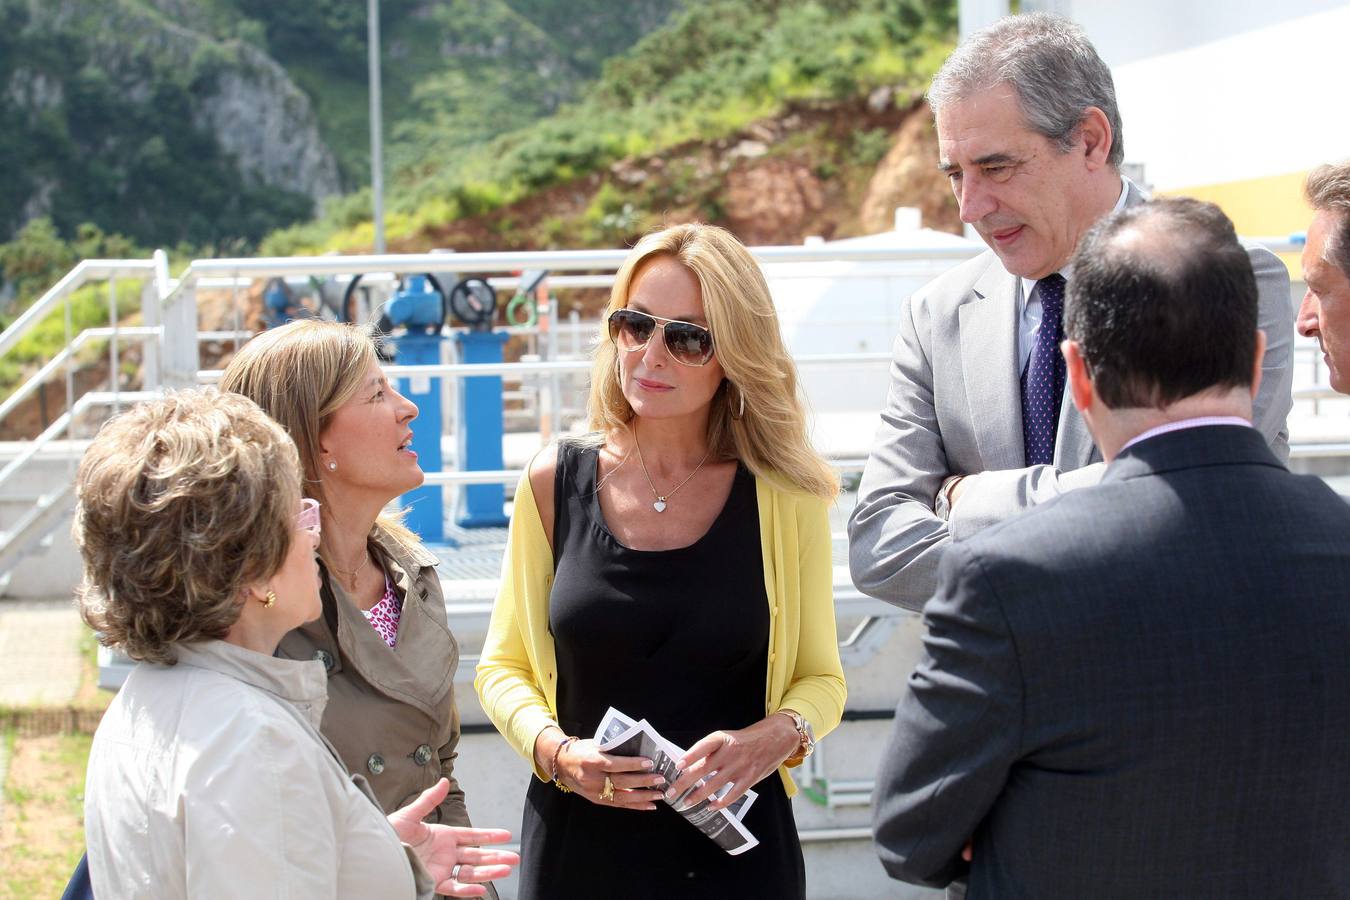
1271,206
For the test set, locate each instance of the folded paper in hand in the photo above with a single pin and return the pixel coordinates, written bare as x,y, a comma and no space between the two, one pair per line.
622,736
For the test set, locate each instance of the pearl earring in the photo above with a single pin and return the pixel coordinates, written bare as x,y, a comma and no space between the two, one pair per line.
332,466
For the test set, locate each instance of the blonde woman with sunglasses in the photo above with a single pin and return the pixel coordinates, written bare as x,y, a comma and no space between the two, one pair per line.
208,775
675,565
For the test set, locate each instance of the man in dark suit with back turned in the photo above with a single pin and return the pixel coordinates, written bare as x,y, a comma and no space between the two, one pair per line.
1141,689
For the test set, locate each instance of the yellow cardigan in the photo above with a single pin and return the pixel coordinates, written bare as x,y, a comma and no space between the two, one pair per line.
517,675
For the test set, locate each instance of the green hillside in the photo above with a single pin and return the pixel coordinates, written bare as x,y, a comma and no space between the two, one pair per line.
210,123
221,126
455,72
96,125
715,68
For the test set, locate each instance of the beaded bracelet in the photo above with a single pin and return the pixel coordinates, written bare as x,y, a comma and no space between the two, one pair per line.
553,773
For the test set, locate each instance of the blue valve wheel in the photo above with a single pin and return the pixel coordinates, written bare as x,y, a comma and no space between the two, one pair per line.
349,310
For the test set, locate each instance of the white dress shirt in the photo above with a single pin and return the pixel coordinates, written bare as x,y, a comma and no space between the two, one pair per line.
1182,425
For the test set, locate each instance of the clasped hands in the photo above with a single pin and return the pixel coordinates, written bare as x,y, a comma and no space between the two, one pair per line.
741,758
448,852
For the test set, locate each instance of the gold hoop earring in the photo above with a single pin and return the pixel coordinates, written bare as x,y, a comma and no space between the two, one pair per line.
270,600
740,413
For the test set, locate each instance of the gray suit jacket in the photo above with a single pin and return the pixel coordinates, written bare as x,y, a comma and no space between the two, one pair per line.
1136,691
955,408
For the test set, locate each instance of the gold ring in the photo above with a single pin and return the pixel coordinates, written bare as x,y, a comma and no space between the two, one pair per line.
608,792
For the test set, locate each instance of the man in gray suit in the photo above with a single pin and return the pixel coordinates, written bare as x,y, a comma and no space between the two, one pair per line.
1140,690
1325,311
976,426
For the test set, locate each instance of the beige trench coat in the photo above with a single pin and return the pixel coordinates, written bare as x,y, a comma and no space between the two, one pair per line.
391,712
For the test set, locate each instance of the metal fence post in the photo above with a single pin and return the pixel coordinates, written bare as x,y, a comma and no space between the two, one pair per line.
179,341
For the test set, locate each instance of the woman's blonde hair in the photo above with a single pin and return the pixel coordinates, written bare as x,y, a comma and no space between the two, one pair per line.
771,436
183,504
300,374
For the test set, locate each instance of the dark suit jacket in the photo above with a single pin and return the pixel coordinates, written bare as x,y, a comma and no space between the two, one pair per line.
1138,690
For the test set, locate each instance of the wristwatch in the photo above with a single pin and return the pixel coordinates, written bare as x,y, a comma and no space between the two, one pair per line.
804,732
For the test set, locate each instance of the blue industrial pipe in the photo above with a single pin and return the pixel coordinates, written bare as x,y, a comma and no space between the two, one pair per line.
481,428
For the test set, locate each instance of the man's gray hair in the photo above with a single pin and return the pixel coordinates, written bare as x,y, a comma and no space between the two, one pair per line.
1049,62
1328,190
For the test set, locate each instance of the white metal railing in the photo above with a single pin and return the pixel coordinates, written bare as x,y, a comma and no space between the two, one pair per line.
24,391
172,358
66,419
552,260
49,507
87,271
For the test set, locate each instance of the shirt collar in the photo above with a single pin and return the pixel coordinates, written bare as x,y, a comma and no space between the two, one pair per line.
1181,425
301,682
1029,284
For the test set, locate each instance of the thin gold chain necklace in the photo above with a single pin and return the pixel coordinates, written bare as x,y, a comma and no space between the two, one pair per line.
659,504
355,573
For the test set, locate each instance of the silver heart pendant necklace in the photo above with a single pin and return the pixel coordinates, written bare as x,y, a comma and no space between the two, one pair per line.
659,504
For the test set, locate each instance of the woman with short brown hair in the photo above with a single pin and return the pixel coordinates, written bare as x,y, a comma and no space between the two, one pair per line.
208,774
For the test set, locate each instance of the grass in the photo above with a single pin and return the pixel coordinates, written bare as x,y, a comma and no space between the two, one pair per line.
42,816
42,833
89,696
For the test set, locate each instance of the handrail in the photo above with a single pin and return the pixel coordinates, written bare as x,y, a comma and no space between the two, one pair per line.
1318,392
54,430
553,260
28,387
159,261
567,366
87,270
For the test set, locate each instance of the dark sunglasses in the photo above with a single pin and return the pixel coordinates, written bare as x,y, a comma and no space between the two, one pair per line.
687,343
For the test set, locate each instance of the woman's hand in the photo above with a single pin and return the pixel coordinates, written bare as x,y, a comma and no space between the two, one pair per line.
741,758
583,768
447,851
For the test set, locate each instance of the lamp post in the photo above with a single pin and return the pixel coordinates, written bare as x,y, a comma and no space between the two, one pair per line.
376,121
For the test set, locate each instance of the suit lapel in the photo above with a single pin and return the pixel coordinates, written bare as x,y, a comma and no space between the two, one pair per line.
1073,442
988,356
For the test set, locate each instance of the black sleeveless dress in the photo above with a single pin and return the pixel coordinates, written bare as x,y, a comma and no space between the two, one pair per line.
680,638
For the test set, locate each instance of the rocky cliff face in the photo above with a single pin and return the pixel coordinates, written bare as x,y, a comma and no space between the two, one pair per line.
116,75
242,96
266,123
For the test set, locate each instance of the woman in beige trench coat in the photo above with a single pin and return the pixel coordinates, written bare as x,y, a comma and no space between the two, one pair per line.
383,637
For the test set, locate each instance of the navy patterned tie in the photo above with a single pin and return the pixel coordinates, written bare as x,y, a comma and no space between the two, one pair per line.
1043,380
